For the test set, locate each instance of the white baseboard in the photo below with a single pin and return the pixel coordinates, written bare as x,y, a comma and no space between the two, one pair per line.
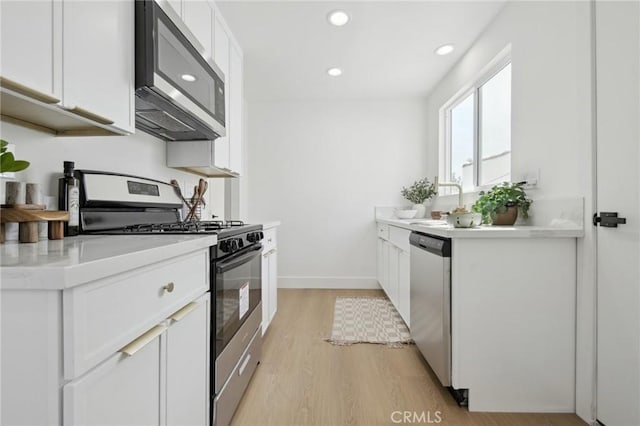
360,283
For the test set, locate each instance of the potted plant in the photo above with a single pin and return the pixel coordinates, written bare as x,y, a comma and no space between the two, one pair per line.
8,163
500,205
418,193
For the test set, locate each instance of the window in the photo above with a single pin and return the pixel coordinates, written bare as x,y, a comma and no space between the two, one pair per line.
478,134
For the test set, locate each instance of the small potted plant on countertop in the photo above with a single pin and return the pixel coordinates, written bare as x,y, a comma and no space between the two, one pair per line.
418,193
8,163
500,205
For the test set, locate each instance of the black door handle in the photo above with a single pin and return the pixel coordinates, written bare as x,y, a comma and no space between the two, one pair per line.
608,219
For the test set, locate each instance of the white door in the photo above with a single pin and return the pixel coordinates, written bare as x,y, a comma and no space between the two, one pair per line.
618,249
187,365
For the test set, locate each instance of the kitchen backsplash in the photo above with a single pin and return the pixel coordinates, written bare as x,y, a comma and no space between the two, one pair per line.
139,155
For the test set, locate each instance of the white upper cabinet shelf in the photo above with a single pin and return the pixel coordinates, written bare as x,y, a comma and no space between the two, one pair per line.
222,157
71,79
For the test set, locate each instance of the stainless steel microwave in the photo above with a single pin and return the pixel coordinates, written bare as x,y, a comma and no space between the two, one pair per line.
179,93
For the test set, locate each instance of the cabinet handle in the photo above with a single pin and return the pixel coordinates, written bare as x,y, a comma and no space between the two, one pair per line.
27,91
143,340
169,287
244,365
90,115
177,316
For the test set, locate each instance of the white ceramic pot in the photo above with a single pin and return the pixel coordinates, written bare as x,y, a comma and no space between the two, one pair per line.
420,210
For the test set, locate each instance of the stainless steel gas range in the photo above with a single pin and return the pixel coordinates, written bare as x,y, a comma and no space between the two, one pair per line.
117,204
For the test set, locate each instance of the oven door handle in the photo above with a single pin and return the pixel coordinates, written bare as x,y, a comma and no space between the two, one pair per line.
234,262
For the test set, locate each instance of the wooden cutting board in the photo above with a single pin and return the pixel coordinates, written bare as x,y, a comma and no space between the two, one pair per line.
28,220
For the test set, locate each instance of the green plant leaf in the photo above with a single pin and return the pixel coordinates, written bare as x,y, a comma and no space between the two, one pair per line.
6,161
17,166
3,145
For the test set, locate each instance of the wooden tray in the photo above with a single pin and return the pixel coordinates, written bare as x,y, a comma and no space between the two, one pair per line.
28,222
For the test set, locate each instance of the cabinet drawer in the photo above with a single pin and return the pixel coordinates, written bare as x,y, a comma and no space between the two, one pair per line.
383,230
270,240
103,316
399,237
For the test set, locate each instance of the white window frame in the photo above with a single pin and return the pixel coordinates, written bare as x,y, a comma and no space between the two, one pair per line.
488,72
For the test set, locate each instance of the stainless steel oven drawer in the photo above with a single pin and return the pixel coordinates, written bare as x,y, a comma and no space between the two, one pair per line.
228,359
224,406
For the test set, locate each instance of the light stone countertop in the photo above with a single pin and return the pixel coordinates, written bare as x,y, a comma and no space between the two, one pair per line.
60,264
562,230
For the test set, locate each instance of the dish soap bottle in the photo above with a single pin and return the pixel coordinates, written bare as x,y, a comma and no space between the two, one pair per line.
69,199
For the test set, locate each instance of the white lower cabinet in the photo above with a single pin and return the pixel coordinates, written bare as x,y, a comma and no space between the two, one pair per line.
162,372
124,390
188,364
393,266
269,278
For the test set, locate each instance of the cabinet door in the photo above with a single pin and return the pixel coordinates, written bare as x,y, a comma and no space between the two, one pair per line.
404,298
380,261
221,57
385,265
266,288
198,17
98,60
392,291
30,50
273,284
124,390
187,365
235,95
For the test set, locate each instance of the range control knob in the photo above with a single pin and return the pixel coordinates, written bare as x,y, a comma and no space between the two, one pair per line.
251,237
261,235
224,246
234,244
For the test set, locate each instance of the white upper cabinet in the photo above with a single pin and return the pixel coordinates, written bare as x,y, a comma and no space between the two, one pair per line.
198,16
67,66
98,61
30,58
221,57
222,157
234,130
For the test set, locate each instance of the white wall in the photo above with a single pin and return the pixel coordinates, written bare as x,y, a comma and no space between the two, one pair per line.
551,127
320,167
140,155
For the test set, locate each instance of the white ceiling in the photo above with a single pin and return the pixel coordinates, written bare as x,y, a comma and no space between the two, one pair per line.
385,51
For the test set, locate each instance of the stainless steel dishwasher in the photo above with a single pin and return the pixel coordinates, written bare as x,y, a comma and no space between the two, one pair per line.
431,301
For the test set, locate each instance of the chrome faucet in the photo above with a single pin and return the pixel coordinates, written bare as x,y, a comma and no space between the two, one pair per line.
453,184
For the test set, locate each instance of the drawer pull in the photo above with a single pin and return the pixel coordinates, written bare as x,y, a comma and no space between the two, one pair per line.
177,316
169,287
244,365
143,340
90,115
27,91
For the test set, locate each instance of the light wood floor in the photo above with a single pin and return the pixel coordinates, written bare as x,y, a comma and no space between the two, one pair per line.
303,380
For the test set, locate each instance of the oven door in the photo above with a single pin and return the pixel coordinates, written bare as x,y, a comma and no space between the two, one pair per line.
238,290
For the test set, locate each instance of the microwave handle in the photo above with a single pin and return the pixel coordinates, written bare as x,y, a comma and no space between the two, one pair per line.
234,262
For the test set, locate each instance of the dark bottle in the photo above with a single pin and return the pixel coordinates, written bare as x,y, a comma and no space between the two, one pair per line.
69,199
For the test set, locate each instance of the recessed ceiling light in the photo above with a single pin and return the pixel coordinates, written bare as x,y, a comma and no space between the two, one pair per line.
188,77
338,18
334,72
444,50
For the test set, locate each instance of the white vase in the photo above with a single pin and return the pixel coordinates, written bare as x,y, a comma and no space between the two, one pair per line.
421,209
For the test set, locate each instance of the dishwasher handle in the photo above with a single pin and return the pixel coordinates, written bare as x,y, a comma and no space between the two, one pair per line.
431,243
